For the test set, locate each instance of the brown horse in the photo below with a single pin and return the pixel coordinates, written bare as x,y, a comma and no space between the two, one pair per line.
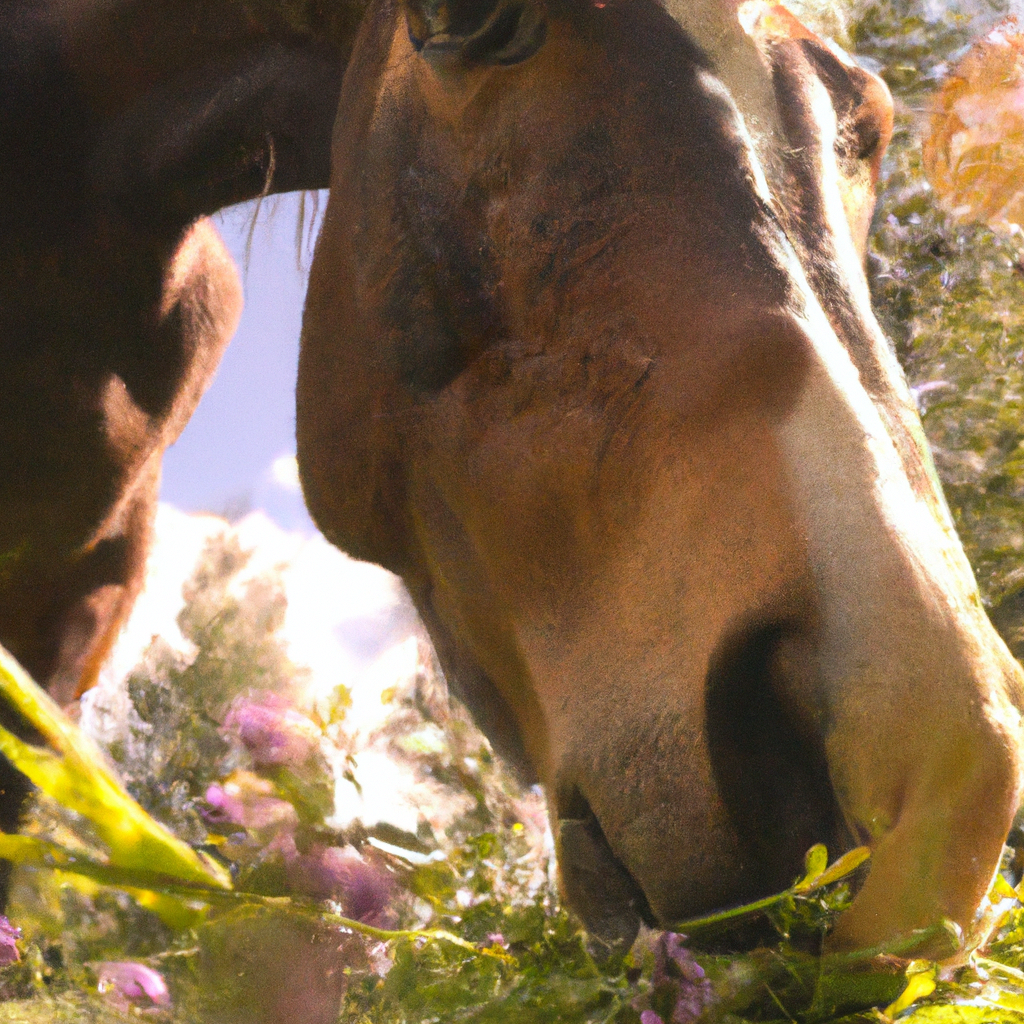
623,421
126,121
588,360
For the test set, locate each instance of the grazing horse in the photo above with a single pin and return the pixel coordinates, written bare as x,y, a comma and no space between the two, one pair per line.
126,122
588,359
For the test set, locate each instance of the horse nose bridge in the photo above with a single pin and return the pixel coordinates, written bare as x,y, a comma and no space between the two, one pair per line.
919,699
880,547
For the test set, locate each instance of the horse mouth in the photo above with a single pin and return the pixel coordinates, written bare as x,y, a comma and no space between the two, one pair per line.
771,775
613,905
599,887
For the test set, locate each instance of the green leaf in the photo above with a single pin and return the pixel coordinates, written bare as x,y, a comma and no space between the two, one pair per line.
920,983
847,864
815,863
811,882
39,853
1001,889
837,992
937,1013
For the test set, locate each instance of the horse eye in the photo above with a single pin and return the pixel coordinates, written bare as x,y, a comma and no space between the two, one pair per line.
508,37
496,33
473,32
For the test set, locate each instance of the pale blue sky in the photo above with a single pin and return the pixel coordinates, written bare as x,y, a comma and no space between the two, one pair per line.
222,462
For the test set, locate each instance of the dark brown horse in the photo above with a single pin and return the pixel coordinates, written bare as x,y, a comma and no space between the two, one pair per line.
588,359
124,123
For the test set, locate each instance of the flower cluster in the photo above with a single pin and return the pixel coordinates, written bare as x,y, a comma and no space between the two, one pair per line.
247,800
363,888
679,981
9,936
272,731
270,804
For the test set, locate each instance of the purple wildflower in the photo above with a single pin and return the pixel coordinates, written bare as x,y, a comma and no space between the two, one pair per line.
674,965
272,730
247,800
125,983
650,1017
224,808
9,936
340,873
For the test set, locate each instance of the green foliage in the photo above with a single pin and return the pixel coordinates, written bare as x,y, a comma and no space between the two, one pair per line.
532,961
377,926
68,1008
70,771
472,929
172,749
950,295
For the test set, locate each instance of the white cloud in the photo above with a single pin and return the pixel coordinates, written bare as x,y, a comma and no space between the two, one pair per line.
178,540
284,471
344,616
349,622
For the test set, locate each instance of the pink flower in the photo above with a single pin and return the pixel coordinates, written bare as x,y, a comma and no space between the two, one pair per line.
272,730
247,800
126,983
9,936
340,873
650,1017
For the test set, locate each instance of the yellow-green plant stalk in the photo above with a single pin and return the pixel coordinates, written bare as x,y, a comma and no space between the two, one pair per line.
72,770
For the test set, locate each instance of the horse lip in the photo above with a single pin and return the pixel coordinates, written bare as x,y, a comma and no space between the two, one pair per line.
611,902
600,888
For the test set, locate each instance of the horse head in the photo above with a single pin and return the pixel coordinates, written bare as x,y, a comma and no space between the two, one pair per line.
588,359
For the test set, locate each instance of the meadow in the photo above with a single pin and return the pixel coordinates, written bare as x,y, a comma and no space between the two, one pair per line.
257,906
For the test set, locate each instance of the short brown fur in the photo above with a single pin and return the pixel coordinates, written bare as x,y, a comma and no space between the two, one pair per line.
627,428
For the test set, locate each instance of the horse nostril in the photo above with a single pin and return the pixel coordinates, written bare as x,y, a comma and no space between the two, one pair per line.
767,755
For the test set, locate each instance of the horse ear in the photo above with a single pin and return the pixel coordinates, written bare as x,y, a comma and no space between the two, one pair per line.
453,33
861,100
